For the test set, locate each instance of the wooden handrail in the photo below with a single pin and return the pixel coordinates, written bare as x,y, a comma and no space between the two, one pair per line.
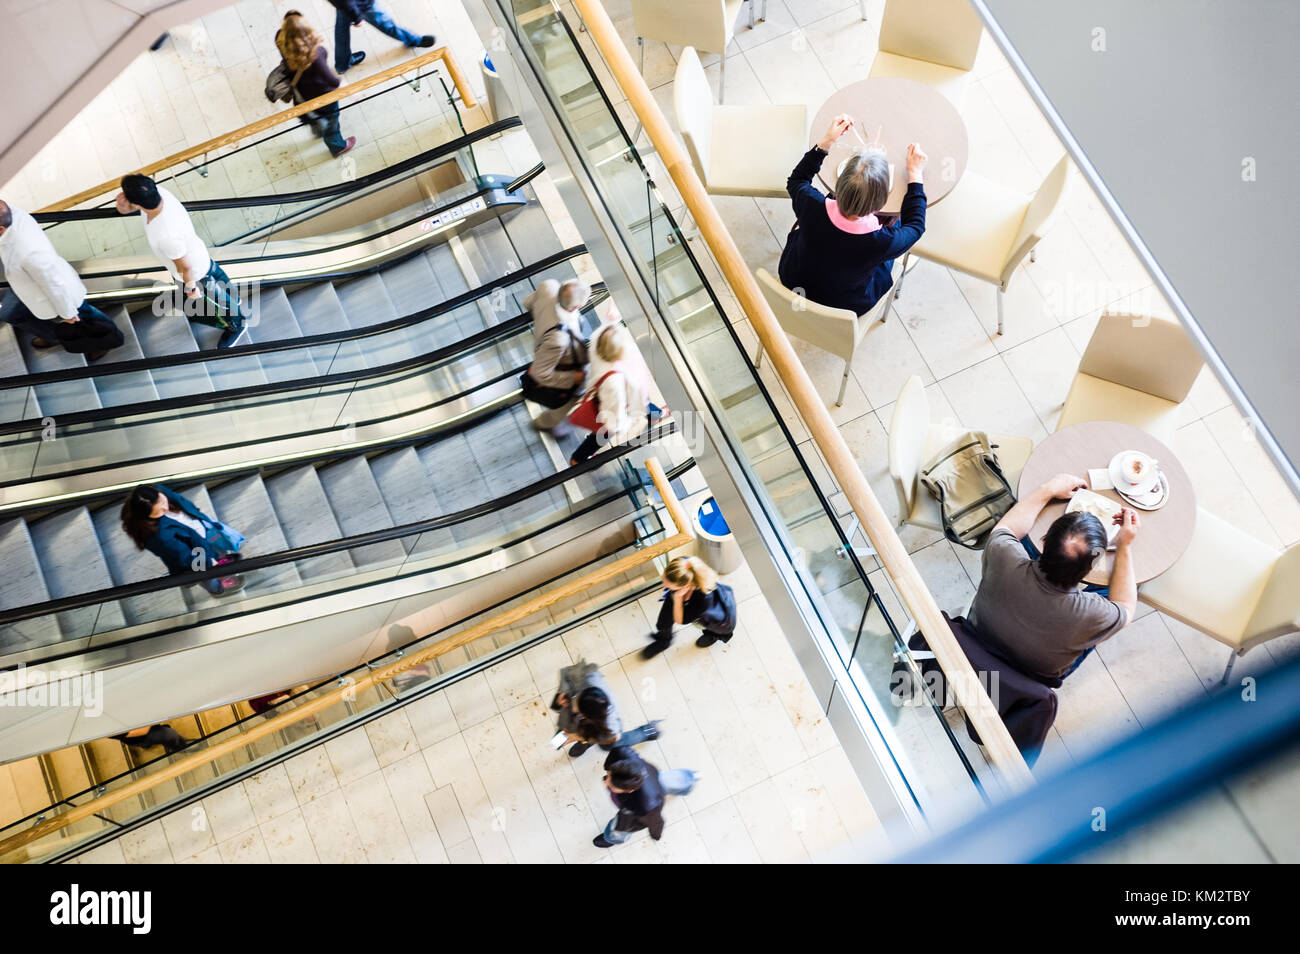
875,522
683,534
270,122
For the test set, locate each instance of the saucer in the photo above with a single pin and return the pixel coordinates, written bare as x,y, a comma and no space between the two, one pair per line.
1153,499
1123,485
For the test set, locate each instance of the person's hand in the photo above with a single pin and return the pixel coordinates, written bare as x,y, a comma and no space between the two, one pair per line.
123,206
562,698
191,290
839,126
1063,486
71,321
579,377
916,160
1129,525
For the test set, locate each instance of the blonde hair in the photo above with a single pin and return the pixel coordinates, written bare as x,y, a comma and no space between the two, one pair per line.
863,186
297,41
613,342
691,571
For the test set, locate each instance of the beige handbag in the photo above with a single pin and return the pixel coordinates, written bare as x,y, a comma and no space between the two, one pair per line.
972,492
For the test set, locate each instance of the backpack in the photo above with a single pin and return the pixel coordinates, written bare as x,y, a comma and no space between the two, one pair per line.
972,492
282,84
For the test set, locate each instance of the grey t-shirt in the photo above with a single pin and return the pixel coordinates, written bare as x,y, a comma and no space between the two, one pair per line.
1041,627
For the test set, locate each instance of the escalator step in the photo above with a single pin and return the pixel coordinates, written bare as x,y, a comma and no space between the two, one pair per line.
230,372
134,387
306,518
318,311
412,287
170,334
459,483
22,584
72,562
245,505
530,229
410,496
63,397
365,302
129,564
359,506
68,771
107,759
274,321
16,404
30,786
443,265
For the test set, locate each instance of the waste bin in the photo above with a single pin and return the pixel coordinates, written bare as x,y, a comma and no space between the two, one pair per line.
498,103
718,547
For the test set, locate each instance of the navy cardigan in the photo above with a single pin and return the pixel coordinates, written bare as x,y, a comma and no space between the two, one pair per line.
174,543
834,267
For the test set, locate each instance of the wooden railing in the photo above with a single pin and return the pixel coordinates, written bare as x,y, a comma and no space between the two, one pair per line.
875,522
439,54
681,536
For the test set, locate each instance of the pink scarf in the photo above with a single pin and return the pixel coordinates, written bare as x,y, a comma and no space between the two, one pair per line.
862,226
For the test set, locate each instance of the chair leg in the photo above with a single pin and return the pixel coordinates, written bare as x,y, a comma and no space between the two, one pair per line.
1232,661
893,293
1001,295
758,357
898,285
752,3
862,5
1033,255
722,79
763,16
844,383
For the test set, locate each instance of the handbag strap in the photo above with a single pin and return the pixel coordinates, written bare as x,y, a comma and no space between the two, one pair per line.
569,351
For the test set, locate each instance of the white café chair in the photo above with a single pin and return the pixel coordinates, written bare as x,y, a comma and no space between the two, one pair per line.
1137,369
913,440
984,229
931,41
736,150
707,25
837,330
1230,586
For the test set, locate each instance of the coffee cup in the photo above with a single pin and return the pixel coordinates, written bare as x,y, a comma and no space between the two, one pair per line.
1137,468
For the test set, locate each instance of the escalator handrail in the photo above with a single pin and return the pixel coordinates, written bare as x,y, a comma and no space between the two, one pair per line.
307,195
434,357
293,554
293,344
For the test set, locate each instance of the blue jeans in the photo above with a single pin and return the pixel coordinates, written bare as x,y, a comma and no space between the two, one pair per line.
220,305
377,18
634,736
331,134
673,782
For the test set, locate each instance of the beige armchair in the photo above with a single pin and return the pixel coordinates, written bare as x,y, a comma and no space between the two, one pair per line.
1137,369
836,330
1231,587
913,440
931,41
736,150
984,229
707,25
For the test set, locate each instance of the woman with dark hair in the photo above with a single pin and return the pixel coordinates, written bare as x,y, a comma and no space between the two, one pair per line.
308,64
588,714
177,532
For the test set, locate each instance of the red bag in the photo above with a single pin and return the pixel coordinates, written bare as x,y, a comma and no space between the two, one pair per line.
584,414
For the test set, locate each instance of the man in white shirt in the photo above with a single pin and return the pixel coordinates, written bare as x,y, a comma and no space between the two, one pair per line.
559,353
47,298
211,299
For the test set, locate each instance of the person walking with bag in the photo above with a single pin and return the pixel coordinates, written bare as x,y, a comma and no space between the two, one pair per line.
177,532
209,297
693,595
306,72
46,297
588,714
639,790
555,377
615,408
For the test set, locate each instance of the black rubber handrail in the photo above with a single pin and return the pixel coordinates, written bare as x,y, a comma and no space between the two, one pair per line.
294,344
307,195
113,593
93,415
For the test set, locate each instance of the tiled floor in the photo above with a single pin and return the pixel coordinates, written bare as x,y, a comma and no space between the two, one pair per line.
468,775
943,331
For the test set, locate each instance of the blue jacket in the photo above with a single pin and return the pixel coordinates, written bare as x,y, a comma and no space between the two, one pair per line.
831,266
175,543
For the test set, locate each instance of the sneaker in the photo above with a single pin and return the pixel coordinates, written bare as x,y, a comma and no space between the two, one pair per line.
357,57
655,648
652,731
577,748
600,842
427,40
706,640
231,338
230,584
347,146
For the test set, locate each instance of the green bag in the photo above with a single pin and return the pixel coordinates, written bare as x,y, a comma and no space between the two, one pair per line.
973,494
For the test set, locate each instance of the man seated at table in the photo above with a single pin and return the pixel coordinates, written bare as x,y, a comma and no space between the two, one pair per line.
1031,609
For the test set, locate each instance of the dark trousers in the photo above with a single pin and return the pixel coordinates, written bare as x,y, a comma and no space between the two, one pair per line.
379,19
219,305
93,331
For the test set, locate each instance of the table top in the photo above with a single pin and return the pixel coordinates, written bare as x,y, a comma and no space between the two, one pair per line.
904,111
1164,534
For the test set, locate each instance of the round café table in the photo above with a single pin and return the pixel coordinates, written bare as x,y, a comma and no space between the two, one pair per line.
904,111
1164,534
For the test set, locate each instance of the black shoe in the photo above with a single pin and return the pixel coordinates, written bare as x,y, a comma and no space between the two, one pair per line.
95,356
706,640
42,344
655,648
600,842
156,45
230,338
427,40
652,731
577,748
357,57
